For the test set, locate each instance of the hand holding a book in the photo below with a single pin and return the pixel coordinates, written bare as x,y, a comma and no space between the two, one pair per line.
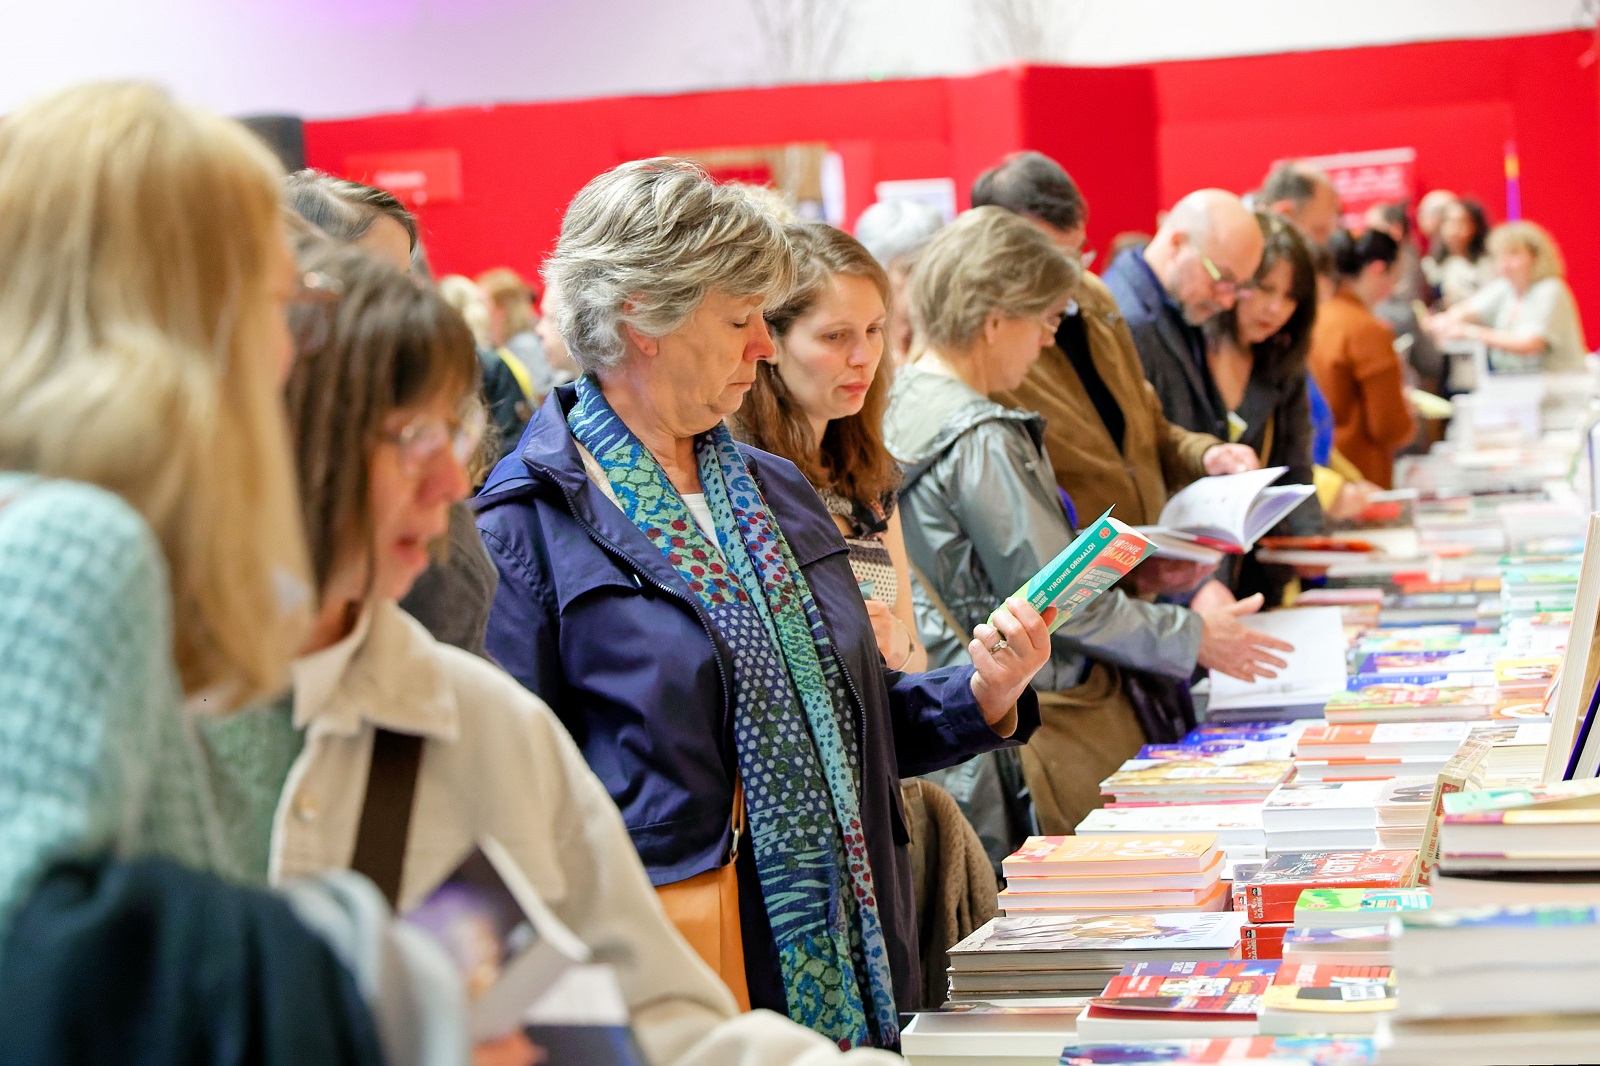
1007,651
1230,459
1230,647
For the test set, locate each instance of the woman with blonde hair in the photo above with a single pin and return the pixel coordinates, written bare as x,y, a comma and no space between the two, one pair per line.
149,540
153,580
1526,315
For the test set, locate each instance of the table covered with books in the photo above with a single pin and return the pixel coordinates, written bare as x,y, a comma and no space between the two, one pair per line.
1390,853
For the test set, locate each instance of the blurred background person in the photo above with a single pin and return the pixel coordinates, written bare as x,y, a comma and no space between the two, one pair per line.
1257,356
1208,246
562,367
894,232
1430,213
819,403
1458,261
1526,315
452,598
1304,196
1411,287
984,512
1353,357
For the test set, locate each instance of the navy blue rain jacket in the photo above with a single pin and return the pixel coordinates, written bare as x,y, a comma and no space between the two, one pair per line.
591,617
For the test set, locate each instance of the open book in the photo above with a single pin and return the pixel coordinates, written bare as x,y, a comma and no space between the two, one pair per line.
1227,513
1102,555
508,946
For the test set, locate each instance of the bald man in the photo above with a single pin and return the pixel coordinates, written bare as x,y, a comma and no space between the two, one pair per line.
1207,247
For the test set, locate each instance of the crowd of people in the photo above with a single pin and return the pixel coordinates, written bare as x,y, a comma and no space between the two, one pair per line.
672,572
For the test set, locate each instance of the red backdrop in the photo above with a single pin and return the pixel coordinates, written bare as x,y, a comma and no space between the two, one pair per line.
1136,138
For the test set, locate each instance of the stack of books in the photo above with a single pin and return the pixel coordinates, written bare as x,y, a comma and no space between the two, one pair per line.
1151,781
1237,826
1494,985
1554,828
1376,751
1044,956
1168,873
1268,898
1160,1000
1308,815
1401,701
1354,945
1403,808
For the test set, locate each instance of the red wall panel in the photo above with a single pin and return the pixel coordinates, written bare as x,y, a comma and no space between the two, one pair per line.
1136,138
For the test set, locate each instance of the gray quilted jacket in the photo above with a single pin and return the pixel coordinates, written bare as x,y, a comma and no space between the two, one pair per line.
982,514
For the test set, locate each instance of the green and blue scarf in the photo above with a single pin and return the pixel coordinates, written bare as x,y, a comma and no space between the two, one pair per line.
798,751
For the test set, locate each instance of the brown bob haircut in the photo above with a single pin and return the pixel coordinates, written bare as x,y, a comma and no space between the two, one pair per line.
376,343
853,460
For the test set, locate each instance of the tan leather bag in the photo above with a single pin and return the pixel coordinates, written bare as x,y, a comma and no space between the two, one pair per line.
705,908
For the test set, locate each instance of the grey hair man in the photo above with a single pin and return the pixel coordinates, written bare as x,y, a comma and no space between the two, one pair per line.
1304,196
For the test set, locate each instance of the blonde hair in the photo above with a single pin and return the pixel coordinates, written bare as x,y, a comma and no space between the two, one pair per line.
1547,260
505,289
136,243
463,294
988,260
645,242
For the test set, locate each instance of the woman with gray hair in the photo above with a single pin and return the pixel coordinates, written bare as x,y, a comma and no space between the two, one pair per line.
687,606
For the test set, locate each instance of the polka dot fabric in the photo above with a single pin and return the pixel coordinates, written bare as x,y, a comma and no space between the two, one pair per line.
798,750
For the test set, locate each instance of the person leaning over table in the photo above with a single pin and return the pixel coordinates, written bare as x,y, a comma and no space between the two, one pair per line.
688,608
983,512
1526,315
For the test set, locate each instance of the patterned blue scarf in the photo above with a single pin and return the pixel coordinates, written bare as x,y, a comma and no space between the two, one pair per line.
798,751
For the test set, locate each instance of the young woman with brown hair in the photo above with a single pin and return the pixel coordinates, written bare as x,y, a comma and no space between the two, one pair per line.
820,404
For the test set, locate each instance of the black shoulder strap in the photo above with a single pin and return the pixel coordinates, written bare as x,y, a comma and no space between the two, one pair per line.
386,811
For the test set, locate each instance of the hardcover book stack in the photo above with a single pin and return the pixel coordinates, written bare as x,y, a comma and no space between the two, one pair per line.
1011,958
1170,873
1497,985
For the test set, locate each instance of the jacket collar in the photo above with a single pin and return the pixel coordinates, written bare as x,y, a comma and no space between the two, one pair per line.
383,674
929,413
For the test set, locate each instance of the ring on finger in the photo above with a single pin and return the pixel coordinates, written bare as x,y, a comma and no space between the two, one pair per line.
998,646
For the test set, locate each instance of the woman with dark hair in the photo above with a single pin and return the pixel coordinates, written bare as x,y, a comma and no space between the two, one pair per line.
1459,264
1256,352
1353,359
368,217
820,404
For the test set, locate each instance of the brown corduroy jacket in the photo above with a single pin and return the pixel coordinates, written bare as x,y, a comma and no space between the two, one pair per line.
1157,457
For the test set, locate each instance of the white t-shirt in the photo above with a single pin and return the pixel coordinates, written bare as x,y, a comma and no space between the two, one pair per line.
1545,311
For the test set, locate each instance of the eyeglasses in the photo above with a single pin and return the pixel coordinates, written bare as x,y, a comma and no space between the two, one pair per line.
1051,323
1225,286
422,439
311,310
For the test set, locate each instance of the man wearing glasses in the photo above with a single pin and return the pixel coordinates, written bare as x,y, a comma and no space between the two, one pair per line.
1204,253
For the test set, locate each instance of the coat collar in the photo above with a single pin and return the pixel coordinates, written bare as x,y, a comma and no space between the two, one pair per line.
383,674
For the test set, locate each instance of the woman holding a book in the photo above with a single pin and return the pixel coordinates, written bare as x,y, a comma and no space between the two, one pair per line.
983,512
688,607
